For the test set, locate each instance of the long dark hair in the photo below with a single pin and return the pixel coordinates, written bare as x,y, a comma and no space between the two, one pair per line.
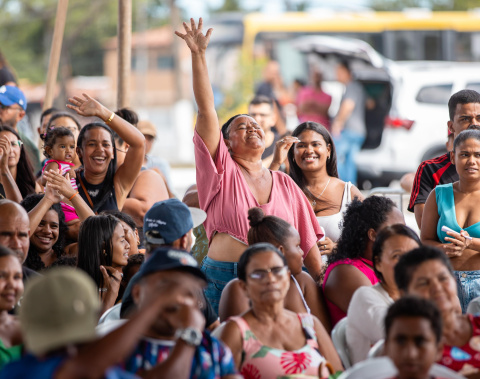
33,260
108,181
58,115
25,179
95,246
358,219
382,237
296,172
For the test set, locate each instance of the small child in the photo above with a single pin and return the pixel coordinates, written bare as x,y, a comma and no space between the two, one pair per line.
413,332
59,149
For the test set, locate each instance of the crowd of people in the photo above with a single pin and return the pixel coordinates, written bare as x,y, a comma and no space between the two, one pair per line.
100,277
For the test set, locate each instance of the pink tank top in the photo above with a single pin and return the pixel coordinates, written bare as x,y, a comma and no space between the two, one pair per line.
260,361
364,265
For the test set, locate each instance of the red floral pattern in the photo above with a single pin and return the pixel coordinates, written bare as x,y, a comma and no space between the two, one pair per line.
249,371
294,363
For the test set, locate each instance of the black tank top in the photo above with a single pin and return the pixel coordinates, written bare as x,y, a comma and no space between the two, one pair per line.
106,203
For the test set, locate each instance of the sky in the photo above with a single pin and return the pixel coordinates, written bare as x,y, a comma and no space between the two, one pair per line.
199,8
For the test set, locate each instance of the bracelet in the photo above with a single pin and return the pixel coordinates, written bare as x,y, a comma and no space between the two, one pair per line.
75,194
110,119
102,289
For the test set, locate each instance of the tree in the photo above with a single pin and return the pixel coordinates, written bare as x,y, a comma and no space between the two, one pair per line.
436,5
27,28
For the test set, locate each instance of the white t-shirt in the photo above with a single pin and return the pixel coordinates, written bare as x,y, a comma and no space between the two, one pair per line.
365,315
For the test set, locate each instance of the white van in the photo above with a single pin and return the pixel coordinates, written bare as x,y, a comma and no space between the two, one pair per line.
409,121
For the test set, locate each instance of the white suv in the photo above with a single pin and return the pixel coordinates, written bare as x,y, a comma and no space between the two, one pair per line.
408,123
416,126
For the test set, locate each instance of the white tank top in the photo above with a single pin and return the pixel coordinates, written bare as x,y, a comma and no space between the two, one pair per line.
331,224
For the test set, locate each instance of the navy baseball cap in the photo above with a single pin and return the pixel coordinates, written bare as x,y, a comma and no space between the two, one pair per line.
10,95
164,258
168,220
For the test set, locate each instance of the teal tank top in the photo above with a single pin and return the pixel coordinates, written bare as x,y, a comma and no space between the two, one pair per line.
447,214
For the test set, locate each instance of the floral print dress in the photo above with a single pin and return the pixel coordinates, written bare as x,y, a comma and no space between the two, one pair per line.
263,362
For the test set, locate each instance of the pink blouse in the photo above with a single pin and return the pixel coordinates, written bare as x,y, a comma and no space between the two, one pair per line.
224,194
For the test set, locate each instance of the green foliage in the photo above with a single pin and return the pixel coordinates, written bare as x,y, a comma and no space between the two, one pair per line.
436,5
27,29
237,98
228,6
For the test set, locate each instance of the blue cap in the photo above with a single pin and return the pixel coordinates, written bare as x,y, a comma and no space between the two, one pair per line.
168,220
10,95
164,258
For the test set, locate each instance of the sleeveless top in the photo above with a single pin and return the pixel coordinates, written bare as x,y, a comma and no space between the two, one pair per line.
301,294
336,314
260,361
109,200
64,168
447,214
331,223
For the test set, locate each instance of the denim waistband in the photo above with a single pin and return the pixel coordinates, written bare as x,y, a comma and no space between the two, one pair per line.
220,265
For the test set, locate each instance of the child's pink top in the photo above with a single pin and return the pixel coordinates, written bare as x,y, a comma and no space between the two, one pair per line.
224,194
64,168
336,314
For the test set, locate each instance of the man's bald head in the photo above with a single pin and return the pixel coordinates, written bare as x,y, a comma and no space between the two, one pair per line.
14,228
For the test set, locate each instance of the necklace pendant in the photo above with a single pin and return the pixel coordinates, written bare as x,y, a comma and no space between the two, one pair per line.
314,204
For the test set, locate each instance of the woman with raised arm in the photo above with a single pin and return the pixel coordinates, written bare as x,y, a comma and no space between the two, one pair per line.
231,180
98,183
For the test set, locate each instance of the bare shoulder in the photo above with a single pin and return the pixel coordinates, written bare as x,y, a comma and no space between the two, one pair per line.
355,193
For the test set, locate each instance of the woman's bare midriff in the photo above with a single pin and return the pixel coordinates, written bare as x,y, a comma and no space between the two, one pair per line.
225,248
468,261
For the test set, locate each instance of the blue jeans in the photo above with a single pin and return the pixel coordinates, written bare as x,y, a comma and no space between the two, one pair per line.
218,275
468,286
347,147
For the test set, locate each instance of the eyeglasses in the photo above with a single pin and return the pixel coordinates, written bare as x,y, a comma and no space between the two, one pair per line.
16,143
6,107
262,274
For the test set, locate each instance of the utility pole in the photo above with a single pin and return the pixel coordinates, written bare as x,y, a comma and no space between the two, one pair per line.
55,52
124,32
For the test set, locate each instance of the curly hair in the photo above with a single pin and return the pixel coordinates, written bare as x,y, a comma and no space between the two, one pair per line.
358,219
51,136
33,260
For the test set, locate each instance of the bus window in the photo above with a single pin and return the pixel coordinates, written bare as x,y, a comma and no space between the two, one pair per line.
437,94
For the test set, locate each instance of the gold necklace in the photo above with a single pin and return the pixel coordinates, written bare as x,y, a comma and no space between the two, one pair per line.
314,203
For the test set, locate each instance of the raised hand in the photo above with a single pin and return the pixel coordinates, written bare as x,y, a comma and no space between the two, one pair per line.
5,149
196,41
281,151
59,183
52,194
86,106
111,282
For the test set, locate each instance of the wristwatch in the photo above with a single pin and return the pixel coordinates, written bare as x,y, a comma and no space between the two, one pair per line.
191,336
